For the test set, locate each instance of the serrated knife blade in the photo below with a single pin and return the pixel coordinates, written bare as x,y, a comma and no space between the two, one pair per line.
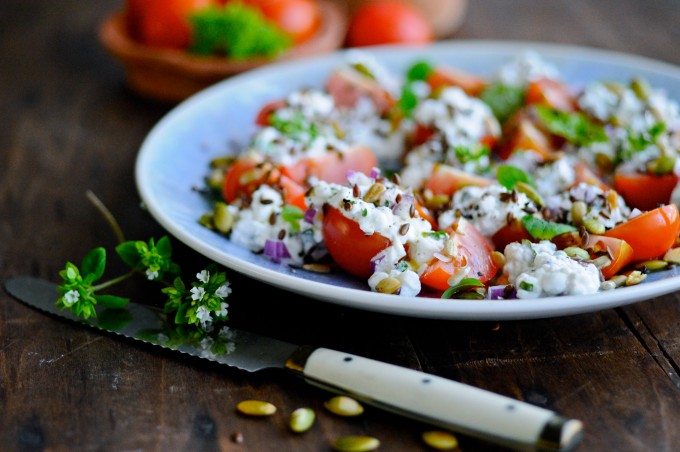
427,398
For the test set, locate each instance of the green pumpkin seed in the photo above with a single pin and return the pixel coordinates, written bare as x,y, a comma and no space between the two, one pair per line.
531,193
344,406
641,88
619,280
374,192
359,443
593,226
388,285
577,253
578,211
635,277
302,419
672,256
256,408
652,265
223,218
440,440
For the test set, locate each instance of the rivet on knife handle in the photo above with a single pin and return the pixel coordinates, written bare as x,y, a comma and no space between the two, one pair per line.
439,401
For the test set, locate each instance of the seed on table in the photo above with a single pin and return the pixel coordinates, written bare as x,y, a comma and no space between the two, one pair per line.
344,406
440,440
358,443
302,419
256,408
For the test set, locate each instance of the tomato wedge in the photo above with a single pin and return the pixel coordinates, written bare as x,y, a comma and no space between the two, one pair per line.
511,232
242,178
446,180
348,245
552,93
619,251
348,86
263,117
650,234
442,77
521,133
645,191
472,250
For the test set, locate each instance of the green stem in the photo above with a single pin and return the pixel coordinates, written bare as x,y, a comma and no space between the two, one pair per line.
113,281
107,215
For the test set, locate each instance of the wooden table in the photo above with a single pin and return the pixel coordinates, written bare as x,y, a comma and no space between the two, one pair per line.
69,124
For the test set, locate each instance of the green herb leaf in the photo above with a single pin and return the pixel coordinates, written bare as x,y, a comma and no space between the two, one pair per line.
465,285
114,319
94,263
421,70
128,253
292,215
575,127
503,100
508,176
111,301
544,230
237,31
408,100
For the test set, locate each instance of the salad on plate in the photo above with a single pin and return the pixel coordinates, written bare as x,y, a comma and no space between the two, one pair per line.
437,182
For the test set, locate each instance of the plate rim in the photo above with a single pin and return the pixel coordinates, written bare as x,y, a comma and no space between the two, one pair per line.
422,307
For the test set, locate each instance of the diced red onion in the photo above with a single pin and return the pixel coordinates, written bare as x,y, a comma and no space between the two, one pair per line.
309,215
276,250
501,293
376,260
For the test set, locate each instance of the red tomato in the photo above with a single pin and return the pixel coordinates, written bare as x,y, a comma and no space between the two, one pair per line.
293,193
347,86
521,133
162,23
511,232
238,182
446,180
442,77
650,234
263,116
332,167
473,250
388,22
348,245
551,93
645,191
299,19
618,250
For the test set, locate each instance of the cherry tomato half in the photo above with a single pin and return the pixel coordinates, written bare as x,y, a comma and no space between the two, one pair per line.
348,245
162,23
388,22
645,191
473,250
299,19
650,234
620,252
446,180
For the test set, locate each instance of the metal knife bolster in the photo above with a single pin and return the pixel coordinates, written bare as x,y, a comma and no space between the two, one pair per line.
438,401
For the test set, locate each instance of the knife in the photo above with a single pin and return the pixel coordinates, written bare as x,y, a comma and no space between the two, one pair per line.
427,398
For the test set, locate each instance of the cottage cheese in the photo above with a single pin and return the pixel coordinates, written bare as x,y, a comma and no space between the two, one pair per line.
540,270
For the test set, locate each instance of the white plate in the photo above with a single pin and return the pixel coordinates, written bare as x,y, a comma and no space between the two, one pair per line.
174,159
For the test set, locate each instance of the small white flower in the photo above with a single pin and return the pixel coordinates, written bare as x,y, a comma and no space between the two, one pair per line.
203,315
223,291
230,348
207,342
151,274
197,293
203,276
223,310
71,297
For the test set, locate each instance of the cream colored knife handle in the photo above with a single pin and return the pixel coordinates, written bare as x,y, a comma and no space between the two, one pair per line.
442,402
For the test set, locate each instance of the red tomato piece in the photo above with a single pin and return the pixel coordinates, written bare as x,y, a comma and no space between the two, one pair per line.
442,77
511,232
299,19
347,86
583,173
348,245
620,252
388,22
521,133
472,250
552,93
162,23
263,117
650,234
293,193
645,191
446,180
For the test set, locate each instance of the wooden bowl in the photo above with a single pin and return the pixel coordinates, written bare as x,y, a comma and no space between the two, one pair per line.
170,75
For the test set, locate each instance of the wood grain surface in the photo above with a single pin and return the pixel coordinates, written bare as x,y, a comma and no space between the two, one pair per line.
68,124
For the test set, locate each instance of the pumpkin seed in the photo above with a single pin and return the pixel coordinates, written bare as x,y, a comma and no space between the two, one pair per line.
302,419
602,262
619,280
388,285
458,276
635,277
661,165
317,268
223,217
344,406
440,440
498,258
214,179
578,211
256,408
531,193
672,256
612,199
358,443
652,265
593,226
374,192
577,253
641,88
